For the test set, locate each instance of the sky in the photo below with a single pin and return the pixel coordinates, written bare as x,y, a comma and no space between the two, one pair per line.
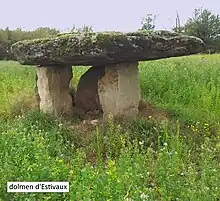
102,15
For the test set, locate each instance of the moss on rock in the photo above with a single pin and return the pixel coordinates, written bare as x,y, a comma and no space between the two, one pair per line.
104,48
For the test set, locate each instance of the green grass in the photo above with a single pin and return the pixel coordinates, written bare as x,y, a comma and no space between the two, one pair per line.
16,85
137,160
188,86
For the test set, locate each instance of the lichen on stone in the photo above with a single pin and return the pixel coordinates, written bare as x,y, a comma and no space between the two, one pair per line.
98,48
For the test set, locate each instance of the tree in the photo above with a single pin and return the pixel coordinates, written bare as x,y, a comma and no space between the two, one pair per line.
8,37
3,44
178,28
205,25
85,28
148,23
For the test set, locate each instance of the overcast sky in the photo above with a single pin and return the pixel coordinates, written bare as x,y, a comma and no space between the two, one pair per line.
102,15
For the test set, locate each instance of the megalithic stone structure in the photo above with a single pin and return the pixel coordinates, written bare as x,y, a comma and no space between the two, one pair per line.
111,85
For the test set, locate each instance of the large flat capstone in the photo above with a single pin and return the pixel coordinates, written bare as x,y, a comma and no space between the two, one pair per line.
104,48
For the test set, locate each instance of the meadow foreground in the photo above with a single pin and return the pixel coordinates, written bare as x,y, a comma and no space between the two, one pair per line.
150,158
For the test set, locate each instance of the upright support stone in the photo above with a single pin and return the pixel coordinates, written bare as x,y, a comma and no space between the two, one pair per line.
113,89
119,90
53,89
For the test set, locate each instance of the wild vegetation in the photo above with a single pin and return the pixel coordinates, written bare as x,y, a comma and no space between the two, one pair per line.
149,158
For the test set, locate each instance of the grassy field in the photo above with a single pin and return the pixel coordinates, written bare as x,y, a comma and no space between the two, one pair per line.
144,159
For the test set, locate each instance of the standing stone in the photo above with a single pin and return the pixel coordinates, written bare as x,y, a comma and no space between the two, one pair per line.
87,97
53,89
119,90
113,89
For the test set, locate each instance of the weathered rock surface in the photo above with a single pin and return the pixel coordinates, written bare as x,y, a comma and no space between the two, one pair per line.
53,90
111,85
104,48
113,89
87,97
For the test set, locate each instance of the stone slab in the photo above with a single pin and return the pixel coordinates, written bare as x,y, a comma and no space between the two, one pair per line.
53,90
104,48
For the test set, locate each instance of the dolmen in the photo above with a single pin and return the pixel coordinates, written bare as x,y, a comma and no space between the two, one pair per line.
111,85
